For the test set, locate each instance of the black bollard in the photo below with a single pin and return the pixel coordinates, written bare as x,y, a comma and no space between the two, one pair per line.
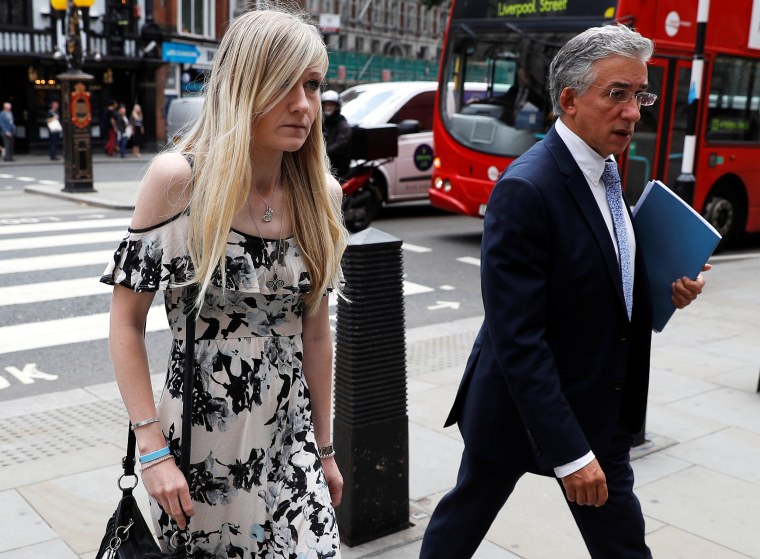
371,427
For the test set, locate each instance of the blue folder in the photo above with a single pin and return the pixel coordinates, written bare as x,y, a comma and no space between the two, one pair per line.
674,240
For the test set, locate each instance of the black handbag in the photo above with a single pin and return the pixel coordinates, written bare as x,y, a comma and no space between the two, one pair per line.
127,535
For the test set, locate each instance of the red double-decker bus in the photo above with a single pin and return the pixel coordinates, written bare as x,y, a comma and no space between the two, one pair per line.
508,45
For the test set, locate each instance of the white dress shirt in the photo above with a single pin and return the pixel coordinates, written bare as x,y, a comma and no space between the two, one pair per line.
592,167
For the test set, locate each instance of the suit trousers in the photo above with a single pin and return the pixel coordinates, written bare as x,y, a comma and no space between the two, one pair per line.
464,515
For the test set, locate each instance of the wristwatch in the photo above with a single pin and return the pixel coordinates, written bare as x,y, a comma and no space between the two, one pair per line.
326,451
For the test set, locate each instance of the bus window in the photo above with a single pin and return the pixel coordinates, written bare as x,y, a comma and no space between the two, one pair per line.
641,156
732,114
514,108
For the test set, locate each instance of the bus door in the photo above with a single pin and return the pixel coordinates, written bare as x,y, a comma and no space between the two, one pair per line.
656,151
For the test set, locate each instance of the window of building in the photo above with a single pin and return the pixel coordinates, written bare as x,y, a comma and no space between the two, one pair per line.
733,113
197,17
393,18
378,13
411,17
425,16
14,12
312,6
359,44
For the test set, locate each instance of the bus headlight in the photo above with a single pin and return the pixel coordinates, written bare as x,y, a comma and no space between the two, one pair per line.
438,182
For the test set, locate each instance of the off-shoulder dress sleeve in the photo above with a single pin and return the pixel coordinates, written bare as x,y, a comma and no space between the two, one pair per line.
152,259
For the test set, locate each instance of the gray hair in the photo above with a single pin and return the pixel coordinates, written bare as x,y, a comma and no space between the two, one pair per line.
573,66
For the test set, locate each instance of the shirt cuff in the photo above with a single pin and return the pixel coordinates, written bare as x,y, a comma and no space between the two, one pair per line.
567,469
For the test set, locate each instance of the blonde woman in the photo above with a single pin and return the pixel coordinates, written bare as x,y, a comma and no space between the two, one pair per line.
244,207
138,129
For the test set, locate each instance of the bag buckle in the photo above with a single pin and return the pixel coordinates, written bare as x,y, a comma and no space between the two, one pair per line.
120,535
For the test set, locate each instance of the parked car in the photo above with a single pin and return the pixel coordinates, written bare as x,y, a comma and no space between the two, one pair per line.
182,114
408,175
410,106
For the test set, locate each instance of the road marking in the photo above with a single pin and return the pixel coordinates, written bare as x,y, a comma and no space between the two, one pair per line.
64,331
415,248
411,288
63,226
469,260
454,305
52,290
73,240
5,176
55,261
50,182
26,179
29,373
447,288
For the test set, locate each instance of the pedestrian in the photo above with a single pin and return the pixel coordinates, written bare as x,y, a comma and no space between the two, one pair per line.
123,130
109,124
136,122
337,132
8,130
243,207
557,380
53,120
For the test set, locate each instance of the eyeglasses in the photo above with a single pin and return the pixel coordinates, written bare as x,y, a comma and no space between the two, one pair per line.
643,99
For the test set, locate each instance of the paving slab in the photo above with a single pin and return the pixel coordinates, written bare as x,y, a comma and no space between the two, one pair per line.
720,508
22,525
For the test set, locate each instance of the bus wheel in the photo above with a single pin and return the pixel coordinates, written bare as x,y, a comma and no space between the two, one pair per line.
724,212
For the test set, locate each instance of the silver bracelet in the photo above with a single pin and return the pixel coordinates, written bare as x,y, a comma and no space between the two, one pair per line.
144,422
156,461
326,451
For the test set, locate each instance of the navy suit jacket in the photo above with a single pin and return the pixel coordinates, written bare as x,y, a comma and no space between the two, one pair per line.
557,365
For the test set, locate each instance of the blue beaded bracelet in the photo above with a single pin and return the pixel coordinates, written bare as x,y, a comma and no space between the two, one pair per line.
160,453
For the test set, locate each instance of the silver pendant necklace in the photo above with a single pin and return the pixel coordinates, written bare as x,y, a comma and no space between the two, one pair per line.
275,283
268,210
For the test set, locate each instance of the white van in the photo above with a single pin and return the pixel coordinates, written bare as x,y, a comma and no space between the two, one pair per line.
407,177
182,114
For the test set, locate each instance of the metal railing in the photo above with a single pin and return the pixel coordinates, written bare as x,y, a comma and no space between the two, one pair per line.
40,42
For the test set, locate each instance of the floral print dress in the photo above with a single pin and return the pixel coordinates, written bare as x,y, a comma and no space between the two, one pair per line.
255,476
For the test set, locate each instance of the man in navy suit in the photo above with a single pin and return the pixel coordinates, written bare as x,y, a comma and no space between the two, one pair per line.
557,380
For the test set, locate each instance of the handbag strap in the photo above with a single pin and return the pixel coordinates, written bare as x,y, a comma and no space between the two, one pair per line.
128,463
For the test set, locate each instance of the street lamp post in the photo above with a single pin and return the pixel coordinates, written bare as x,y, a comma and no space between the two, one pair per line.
75,101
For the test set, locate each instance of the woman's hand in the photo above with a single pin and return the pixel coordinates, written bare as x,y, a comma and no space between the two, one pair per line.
334,479
165,483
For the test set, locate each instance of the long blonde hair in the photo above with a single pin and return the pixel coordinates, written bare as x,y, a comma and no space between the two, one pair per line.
261,51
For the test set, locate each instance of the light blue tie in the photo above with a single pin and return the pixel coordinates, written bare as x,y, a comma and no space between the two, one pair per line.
614,192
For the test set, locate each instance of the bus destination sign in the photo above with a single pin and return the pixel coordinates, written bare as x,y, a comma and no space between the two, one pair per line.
516,9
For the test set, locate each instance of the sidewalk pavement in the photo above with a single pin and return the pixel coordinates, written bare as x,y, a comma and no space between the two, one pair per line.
698,477
115,195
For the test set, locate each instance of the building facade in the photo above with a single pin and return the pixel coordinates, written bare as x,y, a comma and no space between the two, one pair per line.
152,51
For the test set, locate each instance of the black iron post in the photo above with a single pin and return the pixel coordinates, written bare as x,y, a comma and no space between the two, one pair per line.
371,427
75,109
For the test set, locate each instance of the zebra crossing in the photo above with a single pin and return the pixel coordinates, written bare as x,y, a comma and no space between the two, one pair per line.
50,296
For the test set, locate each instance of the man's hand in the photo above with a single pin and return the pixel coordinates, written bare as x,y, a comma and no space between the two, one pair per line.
587,486
684,290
